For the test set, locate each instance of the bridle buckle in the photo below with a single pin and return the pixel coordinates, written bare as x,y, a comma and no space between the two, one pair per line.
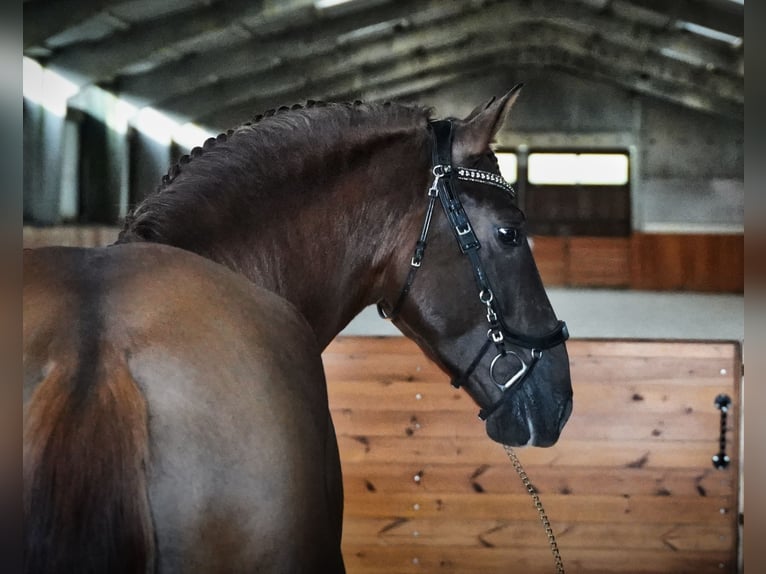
465,229
440,170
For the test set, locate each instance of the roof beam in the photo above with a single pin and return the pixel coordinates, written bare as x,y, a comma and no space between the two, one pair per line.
246,68
278,25
540,53
314,36
326,72
293,50
590,65
553,57
45,19
100,60
307,72
725,17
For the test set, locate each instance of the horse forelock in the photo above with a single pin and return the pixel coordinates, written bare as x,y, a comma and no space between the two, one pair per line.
283,147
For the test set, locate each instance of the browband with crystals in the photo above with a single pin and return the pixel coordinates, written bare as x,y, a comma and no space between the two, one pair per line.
485,177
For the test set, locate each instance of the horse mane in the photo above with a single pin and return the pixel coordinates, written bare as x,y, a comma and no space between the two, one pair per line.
279,150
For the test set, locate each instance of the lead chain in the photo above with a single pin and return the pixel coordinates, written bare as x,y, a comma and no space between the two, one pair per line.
539,506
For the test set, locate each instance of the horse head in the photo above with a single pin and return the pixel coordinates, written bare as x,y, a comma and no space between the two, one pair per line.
478,307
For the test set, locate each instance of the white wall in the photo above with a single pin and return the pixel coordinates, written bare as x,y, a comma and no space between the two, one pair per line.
602,313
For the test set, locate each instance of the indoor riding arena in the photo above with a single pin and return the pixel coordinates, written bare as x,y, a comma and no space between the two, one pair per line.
625,153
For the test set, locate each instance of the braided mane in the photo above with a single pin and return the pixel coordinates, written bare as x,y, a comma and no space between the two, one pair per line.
272,152
175,169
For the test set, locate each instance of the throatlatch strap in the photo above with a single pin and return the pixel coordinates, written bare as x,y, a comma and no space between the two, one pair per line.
417,257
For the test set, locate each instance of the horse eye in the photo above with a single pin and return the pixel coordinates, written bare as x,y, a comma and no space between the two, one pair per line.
509,235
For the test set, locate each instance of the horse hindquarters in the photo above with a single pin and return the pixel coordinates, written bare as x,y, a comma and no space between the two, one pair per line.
237,481
85,449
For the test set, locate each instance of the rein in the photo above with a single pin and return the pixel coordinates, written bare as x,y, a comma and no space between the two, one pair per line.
499,334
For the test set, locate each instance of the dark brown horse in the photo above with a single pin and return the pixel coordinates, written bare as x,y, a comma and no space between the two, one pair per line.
175,407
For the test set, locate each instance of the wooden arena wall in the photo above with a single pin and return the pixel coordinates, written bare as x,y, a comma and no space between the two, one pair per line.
630,486
712,263
669,262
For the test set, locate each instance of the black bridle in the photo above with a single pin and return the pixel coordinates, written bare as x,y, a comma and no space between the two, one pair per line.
499,334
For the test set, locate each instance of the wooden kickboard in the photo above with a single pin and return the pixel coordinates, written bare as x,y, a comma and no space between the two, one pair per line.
629,487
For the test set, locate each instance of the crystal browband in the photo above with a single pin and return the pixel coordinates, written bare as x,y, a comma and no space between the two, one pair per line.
487,177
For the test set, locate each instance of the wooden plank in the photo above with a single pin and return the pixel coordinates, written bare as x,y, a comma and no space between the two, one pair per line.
497,478
396,368
395,396
356,346
599,261
700,371
696,262
582,509
382,366
509,533
651,348
396,358
366,559
572,452
630,425
589,398
676,361
550,254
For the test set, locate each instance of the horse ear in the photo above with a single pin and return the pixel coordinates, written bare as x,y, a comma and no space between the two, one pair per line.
474,133
478,109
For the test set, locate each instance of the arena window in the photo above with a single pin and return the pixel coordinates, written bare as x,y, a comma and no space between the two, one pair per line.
578,193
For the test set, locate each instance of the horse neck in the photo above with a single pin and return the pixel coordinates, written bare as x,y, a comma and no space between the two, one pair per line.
328,252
